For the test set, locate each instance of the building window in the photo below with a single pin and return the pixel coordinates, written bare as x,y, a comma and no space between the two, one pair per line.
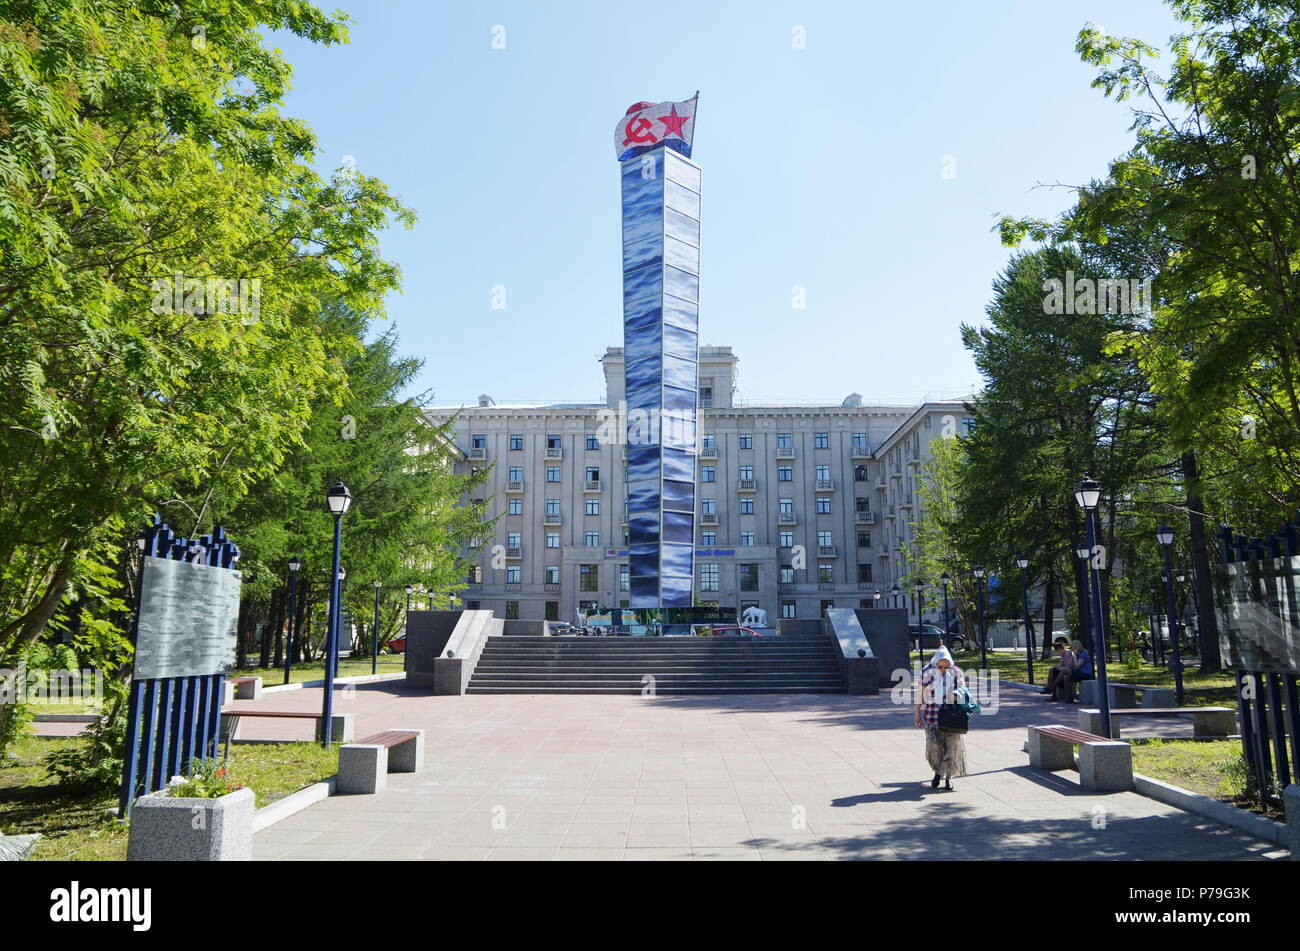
783,441
859,440
864,539
747,472
709,577
593,506
748,575
512,574
859,473
478,442
823,473
552,574
826,606
513,539
588,577
825,574
552,539
785,506
823,505
787,609
707,474
747,539
821,440
708,538
476,574
514,506
553,442
471,605
593,539
708,506
787,540
552,506
709,441
861,504
706,396
593,442
552,473
516,474
624,578
516,442
747,506
746,441
512,610
968,425
824,538
864,573
552,610
784,474
787,575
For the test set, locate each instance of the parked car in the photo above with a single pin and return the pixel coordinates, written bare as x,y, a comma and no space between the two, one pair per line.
397,645
932,637
731,631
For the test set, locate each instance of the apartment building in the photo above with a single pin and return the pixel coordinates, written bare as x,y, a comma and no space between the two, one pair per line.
799,507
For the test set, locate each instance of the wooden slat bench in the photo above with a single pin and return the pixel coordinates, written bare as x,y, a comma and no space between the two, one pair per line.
342,730
1206,721
246,688
364,765
1105,765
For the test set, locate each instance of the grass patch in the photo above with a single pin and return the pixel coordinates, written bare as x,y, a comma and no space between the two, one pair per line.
1208,767
76,825
315,669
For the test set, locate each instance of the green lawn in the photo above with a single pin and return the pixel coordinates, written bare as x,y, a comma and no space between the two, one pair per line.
1207,767
77,826
315,670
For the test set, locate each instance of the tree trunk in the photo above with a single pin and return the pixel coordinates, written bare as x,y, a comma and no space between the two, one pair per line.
1049,608
1207,621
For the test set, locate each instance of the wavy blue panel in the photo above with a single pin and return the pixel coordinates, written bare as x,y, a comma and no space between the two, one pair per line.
643,344
645,526
683,199
680,313
645,591
676,559
680,226
681,284
649,251
648,168
676,592
680,254
679,527
678,465
644,563
642,497
642,464
679,496
680,371
679,171
678,400
681,342
677,431
644,426
643,378
642,316
645,282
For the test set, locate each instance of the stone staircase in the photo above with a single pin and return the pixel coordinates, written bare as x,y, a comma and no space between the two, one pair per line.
678,665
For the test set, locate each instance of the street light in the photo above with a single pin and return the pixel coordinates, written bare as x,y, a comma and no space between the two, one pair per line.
947,623
978,571
374,634
1087,495
295,565
895,591
920,644
1082,552
338,500
1165,536
1022,562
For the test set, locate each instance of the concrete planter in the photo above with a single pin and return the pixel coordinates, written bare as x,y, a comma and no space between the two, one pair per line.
169,829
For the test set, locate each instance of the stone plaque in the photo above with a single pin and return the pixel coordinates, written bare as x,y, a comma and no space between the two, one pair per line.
1259,614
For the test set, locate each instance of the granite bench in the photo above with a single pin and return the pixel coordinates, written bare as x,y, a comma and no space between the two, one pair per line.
364,765
1125,695
246,688
1206,721
1105,765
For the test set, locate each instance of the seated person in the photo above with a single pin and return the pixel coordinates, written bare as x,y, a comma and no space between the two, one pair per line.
1082,663
1063,668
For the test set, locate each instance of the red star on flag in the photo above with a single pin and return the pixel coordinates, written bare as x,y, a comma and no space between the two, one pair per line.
674,123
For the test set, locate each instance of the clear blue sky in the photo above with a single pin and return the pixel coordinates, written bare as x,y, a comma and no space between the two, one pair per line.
822,168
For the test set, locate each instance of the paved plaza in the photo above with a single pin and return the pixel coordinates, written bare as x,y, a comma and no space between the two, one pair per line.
762,778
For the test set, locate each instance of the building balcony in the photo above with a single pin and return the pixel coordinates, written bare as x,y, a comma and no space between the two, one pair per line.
788,586
896,474
747,485
861,452
592,486
709,453
881,484
709,519
825,551
514,552
514,586
882,551
913,462
554,453
515,485
478,455
866,585
864,518
552,586
826,586
787,518
825,485
785,452
554,519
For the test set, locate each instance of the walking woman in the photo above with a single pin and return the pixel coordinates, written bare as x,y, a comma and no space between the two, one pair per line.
946,752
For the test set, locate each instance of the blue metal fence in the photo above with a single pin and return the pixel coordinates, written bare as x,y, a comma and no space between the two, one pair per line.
172,721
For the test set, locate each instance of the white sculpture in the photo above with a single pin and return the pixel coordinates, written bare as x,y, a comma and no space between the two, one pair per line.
753,617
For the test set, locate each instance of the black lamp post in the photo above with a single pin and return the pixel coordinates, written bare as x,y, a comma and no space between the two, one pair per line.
978,571
1082,552
895,591
374,634
876,596
920,644
1087,495
295,565
947,622
339,500
1165,536
1023,563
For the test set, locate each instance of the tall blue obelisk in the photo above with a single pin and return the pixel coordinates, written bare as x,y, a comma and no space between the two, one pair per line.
661,283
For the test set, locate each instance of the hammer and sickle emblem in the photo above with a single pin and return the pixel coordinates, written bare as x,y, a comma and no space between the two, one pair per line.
642,133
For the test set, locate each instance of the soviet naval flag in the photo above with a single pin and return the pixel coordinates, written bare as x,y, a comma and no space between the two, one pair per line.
647,126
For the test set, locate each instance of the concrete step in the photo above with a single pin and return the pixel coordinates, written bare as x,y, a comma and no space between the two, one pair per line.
660,689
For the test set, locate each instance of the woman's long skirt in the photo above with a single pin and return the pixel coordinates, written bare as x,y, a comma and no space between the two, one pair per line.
945,752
